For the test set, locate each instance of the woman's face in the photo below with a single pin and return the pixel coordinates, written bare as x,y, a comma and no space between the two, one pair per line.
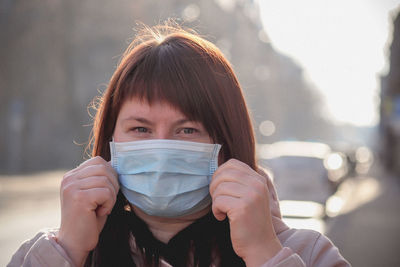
137,120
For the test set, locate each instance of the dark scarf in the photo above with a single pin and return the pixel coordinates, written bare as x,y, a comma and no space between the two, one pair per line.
204,239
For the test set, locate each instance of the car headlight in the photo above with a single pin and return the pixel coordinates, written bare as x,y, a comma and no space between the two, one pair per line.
334,161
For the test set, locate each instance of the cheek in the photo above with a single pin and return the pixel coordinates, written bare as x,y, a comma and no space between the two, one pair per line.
118,134
207,139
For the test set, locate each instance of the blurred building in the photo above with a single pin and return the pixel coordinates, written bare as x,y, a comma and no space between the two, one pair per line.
56,56
390,105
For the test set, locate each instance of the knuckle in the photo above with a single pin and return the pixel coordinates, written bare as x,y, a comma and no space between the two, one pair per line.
67,190
96,158
102,168
68,175
216,201
107,191
66,179
258,185
213,186
99,159
264,172
253,197
84,163
78,196
214,192
265,190
232,161
230,172
237,163
117,187
64,182
103,180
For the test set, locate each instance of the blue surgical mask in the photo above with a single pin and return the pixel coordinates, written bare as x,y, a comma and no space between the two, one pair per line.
166,178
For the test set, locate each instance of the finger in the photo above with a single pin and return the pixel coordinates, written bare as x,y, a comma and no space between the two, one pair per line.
232,163
96,182
252,195
229,189
111,168
221,206
240,177
92,161
228,175
72,174
265,173
241,167
271,189
270,185
99,170
101,200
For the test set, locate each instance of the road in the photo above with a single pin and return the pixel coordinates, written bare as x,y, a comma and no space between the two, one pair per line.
366,228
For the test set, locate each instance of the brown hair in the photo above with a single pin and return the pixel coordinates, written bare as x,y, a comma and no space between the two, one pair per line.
188,72
167,63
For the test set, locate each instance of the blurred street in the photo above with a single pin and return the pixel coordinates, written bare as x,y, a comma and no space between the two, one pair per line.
27,203
366,228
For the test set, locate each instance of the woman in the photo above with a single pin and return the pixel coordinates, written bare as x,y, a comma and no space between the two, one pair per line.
173,180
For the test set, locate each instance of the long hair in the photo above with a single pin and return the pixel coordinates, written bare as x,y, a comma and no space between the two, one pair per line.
167,63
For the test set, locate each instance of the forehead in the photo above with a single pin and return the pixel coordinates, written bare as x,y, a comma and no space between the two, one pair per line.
156,110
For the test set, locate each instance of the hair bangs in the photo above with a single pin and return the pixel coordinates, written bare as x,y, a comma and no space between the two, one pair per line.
163,74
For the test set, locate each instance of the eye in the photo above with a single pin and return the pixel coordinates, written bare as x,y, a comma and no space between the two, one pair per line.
140,129
189,130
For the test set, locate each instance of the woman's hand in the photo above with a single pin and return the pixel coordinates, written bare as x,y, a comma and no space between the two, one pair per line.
242,194
88,194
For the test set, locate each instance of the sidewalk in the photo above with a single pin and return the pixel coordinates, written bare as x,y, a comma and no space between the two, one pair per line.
28,203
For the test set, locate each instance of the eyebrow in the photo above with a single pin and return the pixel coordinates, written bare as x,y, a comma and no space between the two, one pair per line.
139,119
146,121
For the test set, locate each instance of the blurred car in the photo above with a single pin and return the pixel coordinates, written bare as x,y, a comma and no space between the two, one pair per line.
305,174
303,163
364,159
359,158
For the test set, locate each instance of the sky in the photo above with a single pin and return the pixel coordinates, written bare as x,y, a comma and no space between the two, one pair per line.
342,46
